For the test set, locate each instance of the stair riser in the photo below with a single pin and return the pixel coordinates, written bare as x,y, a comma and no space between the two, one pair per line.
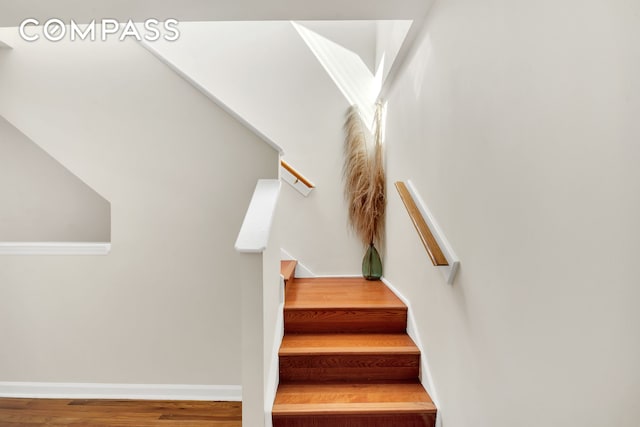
345,321
349,367
404,420
329,378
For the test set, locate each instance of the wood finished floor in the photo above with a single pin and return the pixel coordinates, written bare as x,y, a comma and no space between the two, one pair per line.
118,413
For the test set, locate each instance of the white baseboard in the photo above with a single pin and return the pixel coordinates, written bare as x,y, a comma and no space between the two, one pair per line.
286,256
121,391
301,270
412,331
54,248
338,276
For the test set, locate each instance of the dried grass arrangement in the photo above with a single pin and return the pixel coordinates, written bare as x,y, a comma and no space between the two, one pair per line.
365,186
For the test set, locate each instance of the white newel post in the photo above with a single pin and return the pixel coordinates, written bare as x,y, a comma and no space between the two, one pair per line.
259,280
252,342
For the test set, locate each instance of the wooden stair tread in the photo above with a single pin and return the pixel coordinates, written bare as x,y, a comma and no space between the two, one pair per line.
288,269
353,408
332,344
346,359
365,398
340,293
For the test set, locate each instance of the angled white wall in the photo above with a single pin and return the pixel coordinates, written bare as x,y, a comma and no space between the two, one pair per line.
356,36
163,307
265,72
518,124
390,35
347,70
41,200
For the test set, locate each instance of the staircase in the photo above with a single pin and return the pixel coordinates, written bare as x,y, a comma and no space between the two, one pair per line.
346,360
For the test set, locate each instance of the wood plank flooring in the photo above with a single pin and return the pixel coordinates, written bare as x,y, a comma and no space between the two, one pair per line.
118,413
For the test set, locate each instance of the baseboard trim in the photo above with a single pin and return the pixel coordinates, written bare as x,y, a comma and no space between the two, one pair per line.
121,391
302,271
412,331
338,276
54,248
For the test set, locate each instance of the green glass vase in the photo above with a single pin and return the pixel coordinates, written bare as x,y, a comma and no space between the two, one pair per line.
372,264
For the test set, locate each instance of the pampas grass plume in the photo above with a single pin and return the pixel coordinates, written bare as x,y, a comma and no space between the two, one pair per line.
365,187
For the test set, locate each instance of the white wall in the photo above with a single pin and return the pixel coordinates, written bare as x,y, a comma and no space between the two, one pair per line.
390,36
347,70
41,200
164,305
517,121
266,73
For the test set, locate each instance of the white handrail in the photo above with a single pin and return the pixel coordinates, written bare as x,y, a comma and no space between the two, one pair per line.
254,233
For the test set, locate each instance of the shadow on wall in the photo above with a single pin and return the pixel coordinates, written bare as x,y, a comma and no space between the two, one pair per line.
42,200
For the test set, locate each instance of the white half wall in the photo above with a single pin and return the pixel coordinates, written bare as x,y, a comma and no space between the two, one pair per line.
389,38
163,307
517,122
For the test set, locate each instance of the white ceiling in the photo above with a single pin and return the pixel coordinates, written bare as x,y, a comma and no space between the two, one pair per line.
12,12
